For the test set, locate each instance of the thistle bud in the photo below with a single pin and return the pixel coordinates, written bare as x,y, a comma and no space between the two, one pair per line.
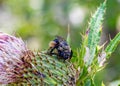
13,58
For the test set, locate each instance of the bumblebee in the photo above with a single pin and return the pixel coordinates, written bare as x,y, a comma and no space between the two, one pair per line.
60,48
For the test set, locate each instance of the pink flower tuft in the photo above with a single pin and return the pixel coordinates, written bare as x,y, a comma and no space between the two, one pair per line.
12,53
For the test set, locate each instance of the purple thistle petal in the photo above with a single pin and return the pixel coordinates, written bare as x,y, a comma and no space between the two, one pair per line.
12,51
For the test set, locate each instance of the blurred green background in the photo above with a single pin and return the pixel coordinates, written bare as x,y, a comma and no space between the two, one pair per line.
39,21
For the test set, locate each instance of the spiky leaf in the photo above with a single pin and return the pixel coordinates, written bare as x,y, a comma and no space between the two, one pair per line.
95,30
112,45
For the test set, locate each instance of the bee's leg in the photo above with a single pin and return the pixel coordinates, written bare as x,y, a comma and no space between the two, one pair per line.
50,50
54,54
71,54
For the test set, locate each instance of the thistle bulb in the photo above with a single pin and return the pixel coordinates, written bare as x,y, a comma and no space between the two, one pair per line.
19,66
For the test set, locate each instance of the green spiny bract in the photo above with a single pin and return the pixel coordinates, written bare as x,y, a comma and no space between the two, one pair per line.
56,71
48,70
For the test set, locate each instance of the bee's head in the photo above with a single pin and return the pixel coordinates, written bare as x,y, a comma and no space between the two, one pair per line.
56,41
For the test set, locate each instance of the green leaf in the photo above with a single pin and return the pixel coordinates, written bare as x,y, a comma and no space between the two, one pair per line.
95,30
89,82
68,36
112,45
102,84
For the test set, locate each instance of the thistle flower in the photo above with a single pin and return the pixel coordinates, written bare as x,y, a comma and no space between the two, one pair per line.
13,58
20,66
